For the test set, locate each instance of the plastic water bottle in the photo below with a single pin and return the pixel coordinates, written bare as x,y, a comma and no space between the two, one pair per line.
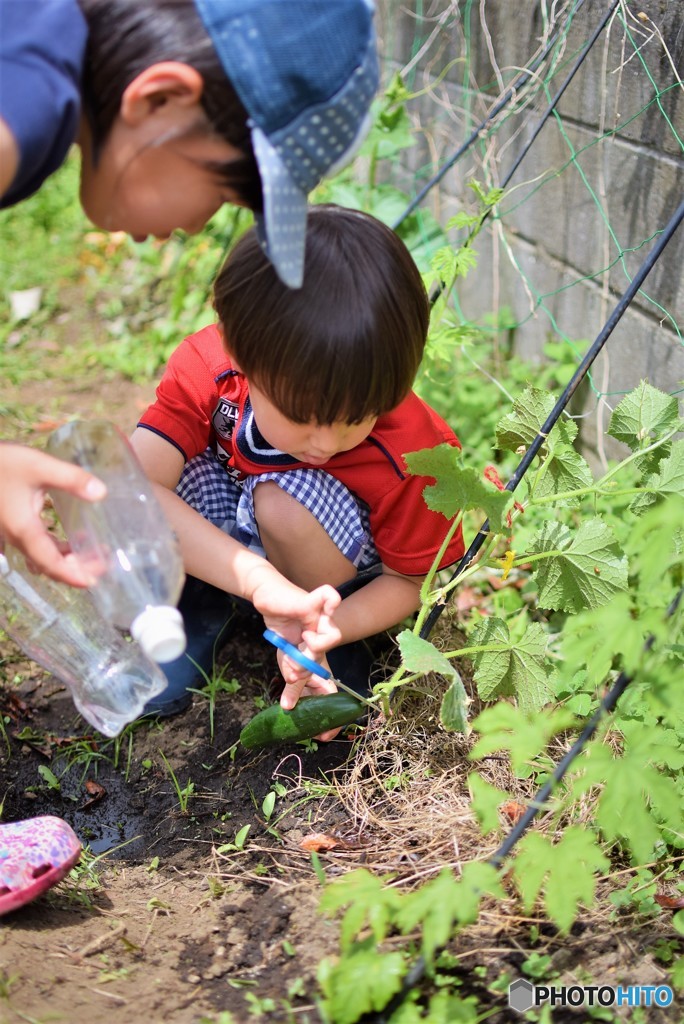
124,540
60,628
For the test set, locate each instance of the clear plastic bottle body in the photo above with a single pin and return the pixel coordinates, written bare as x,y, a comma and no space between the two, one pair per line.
124,539
59,627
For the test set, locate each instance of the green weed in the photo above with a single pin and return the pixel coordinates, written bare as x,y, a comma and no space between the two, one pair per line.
182,792
215,685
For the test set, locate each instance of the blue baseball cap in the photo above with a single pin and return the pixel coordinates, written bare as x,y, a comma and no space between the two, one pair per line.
306,72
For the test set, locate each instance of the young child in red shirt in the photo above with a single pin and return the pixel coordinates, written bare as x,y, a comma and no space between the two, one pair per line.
285,426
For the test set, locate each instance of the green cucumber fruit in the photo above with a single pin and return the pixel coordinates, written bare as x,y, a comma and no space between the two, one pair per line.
309,717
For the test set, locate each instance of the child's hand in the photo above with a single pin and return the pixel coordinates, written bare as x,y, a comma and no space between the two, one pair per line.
299,682
287,609
323,638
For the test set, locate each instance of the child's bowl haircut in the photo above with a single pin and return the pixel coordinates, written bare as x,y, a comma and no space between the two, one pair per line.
344,347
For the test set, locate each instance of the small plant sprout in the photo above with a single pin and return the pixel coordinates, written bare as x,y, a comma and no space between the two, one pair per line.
238,843
182,792
49,777
6,982
4,721
268,805
215,684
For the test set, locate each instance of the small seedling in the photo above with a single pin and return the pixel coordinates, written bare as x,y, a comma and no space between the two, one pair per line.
182,792
309,745
216,887
237,844
258,1006
157,904
4,722
539,965
214,685
6,982
269,804
50,778
124,741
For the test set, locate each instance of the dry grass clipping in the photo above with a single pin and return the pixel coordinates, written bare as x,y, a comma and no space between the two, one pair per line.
406,785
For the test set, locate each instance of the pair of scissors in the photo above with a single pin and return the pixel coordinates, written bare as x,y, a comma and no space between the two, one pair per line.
293,652
318,670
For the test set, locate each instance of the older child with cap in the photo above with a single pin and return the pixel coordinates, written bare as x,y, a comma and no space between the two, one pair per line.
177,107
286,424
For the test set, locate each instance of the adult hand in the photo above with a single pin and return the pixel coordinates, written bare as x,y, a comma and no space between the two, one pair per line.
26,474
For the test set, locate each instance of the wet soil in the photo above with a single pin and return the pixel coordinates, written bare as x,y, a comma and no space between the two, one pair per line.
175,920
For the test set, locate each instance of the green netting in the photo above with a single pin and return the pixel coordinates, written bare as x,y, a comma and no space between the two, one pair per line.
622,118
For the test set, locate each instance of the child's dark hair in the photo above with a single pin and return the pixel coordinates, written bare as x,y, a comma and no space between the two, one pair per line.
348,343
127,36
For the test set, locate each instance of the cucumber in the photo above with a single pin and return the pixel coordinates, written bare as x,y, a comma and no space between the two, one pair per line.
309,717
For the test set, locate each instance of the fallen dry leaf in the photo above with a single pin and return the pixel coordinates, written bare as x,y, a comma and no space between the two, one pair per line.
97,792
467,598
319,841
669,902
513,811
45,426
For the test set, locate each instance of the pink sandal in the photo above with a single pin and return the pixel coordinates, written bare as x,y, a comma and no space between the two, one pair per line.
34,855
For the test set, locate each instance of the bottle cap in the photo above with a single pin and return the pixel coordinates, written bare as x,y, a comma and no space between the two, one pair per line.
159,631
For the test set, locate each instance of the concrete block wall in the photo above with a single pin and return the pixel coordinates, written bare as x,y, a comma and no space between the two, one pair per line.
559,257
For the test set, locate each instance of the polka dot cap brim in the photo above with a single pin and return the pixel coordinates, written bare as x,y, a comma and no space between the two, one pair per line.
306,72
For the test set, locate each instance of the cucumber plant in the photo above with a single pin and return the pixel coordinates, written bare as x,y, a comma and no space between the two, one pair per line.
600,562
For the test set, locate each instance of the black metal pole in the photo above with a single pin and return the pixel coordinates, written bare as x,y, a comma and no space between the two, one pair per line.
558,409
512,91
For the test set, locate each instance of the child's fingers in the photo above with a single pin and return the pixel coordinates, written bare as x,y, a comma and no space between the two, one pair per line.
325,737
315,686
325,636
299,681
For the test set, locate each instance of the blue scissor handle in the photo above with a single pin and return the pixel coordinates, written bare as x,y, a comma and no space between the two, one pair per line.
279,641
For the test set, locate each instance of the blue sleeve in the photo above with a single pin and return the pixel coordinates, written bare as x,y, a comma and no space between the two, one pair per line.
42,45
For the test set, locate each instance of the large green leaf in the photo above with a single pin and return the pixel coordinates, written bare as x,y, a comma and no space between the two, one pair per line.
455,488
487,799
564,470
512,668
587,567
668,480
453,713
362,982
420,655
643,416
369,903
636,795
565,871
524,734
530,412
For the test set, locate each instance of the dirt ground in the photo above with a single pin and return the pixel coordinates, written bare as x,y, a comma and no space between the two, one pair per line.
171,924
172,918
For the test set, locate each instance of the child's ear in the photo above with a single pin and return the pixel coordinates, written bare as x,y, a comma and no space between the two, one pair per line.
160,84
